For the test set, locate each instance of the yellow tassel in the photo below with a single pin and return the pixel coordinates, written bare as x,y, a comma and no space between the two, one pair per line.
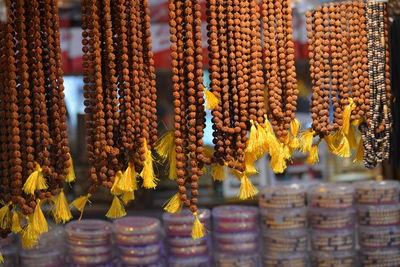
127,197
306,141
347,116
343,150
295,127
5,217
174,204
211,100
127,180
249,159
38,221
62,213
114,189
262,140
351,136
294,144
278,162
172,166
29,237
15,223
198,230
272,142
35,181
313,155
252,143
329,139
236,173
80,203
218,172
359,157
1,258
116,210
147,174
247,189
71,171
286,152
165,145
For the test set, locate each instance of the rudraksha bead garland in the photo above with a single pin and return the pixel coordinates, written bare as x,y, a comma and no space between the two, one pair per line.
280,79
376,134
34,151
338,50
188,95
120,99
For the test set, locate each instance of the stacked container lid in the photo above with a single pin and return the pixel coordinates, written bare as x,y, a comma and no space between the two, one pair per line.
89,243
378,214
48,251
8,250
236,236
181,248
138,241
284,225
332,221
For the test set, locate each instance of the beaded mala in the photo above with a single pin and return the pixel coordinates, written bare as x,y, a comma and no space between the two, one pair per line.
339,73
34,151
280,79
120,99
188,94
376,134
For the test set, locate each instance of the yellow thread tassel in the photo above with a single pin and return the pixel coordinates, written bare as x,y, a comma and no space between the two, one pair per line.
198,230
1,258
313,155
295,127
80,203
347,115
247,189
127,197
147,174
272,141
329,139
116,210
218,172
306,141
351,136
127,180
278,162
211,100
253,142
15,223
249,159
359,157
262,140
343,150
71,171
62,213
293,145
174,204
114,189
5,217
38,221
165,145
172,166
29,237
286,152
35,181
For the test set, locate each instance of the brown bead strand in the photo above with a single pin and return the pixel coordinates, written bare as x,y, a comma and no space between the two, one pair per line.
14,158
355,57
175,14
346,15
364,101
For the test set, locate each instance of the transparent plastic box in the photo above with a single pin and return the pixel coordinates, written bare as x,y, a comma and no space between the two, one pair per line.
336,259
235,218
180,224
377,192
283,196
137,231
283,219
229,260
285,241
379,237
378,215
89,233
380,257
284,259
236,243
189,262
180,247
331,196
330,241
331,219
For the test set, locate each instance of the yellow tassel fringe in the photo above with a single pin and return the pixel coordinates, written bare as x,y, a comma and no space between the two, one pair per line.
247,189
343,149
127,181
306,141
5,217
61,213
114,189
38,222
127,197
313,155
174,204
80,203
116,210
165,145
359,157
71,171
218,172
211,100
147,174
35,181
198,230
15,223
